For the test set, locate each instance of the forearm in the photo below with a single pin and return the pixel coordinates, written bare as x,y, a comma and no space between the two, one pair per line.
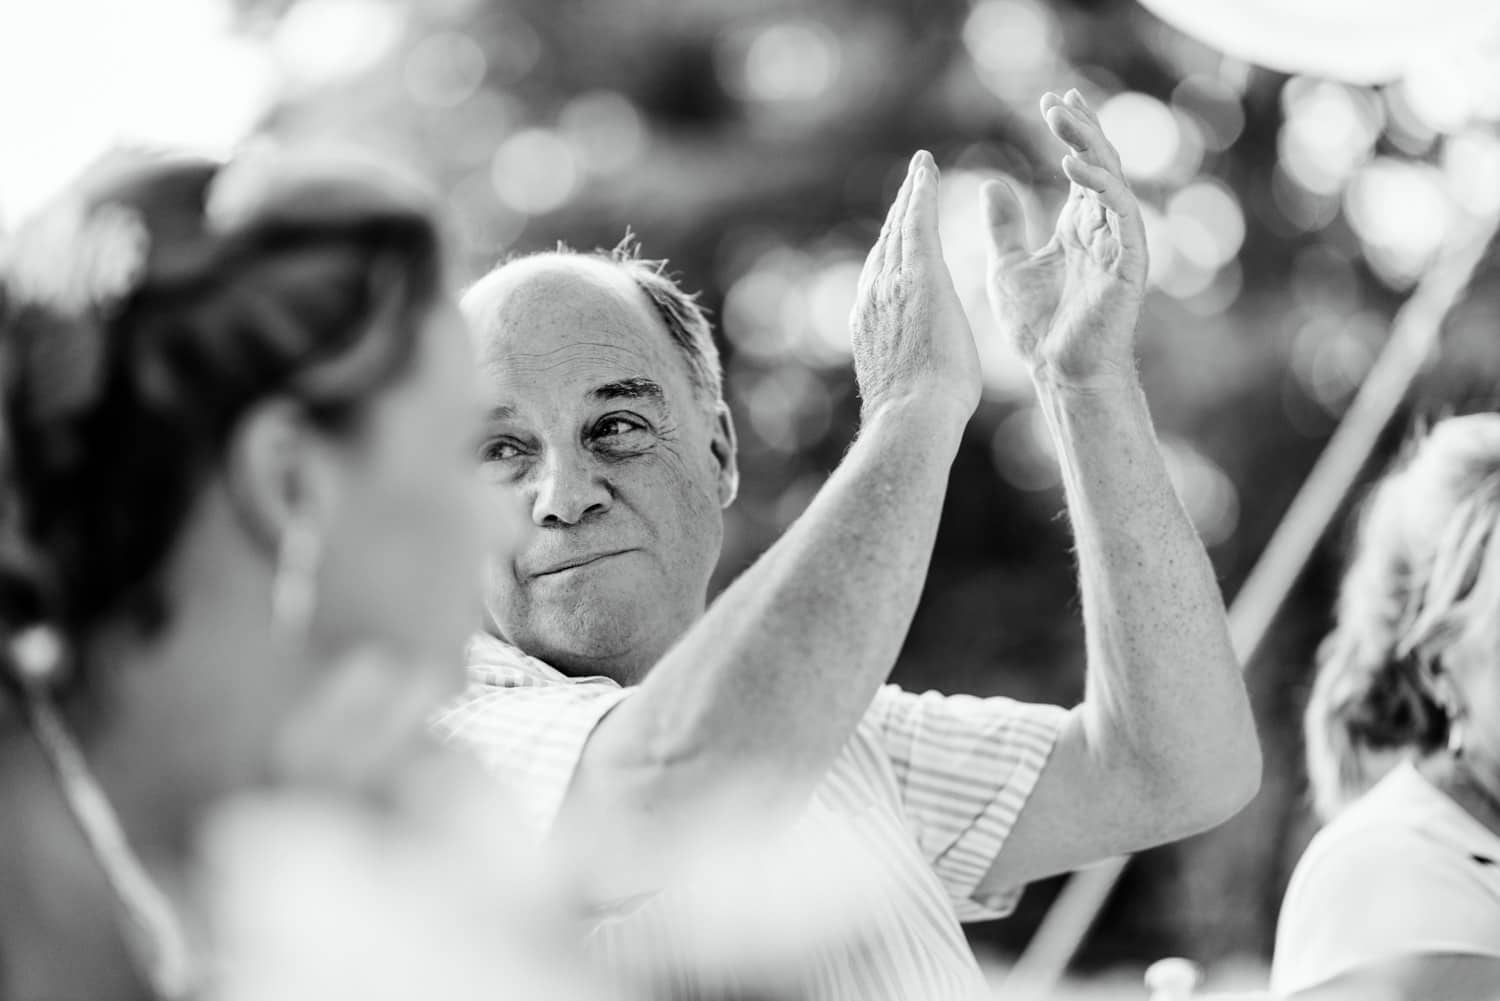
772,681
1165,698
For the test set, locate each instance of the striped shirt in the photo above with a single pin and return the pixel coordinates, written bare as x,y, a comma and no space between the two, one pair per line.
929,785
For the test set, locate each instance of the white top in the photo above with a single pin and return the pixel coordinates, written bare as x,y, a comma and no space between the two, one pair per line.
929,787
1403,871
310,897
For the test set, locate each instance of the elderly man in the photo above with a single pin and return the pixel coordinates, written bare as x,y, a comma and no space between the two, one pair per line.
617,705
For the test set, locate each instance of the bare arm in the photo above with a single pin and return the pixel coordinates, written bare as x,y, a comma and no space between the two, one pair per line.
1164,744
755,702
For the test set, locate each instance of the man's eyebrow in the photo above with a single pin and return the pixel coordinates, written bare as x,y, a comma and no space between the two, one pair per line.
630,389
501,412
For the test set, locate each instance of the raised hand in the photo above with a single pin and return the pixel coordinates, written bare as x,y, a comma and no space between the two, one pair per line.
912,342
1071,307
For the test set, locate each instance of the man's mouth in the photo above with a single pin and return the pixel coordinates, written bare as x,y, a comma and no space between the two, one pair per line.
573,563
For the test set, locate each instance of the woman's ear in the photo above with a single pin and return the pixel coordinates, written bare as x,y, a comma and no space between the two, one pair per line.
1440,681
278,473
725,448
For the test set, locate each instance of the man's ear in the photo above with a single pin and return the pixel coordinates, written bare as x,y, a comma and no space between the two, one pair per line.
725,448
278,471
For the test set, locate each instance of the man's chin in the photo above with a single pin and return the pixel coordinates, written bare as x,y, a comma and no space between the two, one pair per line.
617,650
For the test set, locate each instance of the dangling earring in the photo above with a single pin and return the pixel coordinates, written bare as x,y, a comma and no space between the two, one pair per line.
1455,735
294,592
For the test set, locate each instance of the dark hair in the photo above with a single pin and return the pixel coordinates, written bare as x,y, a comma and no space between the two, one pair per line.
144,315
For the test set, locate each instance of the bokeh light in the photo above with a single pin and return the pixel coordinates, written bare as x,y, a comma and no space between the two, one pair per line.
1330,129
535,171
830,296
318,42
1220,293
1401,212
1471,162
1146,132
1013,44
786,61
788,409
1023,451
514,51
1324,280
965,247
1206,223
445,69
486,226
754,308
791,305
1214,106
479,125
606,131
1331,354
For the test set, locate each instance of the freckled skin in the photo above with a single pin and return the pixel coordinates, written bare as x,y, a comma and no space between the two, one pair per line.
576,476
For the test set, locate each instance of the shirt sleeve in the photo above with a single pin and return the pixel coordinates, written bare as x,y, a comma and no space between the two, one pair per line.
1376,894
964,768
531,738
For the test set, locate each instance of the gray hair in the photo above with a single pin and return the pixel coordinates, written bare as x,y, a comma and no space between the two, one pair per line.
1424,575
680,312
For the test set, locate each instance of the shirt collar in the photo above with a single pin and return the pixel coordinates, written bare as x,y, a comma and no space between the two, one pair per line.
489,654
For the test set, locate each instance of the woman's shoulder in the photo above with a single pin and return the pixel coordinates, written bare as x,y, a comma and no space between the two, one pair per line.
1397,873
1406,821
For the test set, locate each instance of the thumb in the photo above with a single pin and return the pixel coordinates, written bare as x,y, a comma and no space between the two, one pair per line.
1005,222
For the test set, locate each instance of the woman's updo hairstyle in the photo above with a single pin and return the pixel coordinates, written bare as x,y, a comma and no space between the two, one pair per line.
1423,575
144,314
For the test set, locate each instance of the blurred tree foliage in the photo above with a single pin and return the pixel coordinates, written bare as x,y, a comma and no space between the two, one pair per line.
733,133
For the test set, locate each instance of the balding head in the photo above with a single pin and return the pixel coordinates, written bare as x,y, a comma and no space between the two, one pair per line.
602,281
607,441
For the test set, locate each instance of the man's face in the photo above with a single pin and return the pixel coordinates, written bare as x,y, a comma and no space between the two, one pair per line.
609,472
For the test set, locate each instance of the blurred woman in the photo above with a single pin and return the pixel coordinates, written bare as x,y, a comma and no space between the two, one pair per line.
1399,895
240,415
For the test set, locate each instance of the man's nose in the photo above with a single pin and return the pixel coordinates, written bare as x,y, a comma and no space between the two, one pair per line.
569,489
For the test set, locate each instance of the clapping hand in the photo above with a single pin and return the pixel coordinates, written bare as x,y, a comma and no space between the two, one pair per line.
912,342
1071,307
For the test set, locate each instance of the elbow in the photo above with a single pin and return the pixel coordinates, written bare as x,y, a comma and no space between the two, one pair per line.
1242,783
1213,786
1192,791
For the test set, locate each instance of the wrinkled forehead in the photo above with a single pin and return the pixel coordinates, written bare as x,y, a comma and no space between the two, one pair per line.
560,324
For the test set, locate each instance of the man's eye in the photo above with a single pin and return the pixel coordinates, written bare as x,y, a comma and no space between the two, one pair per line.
613,427
500,450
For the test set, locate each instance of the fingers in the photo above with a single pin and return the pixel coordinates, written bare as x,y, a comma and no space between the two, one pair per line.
1094,164
1109,188
887,248
920,225
1072,121
901,209
1005,223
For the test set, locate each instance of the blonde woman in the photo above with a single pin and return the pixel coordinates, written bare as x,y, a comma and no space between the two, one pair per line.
1399,895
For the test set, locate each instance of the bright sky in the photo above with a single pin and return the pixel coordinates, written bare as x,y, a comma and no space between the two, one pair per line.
79,75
